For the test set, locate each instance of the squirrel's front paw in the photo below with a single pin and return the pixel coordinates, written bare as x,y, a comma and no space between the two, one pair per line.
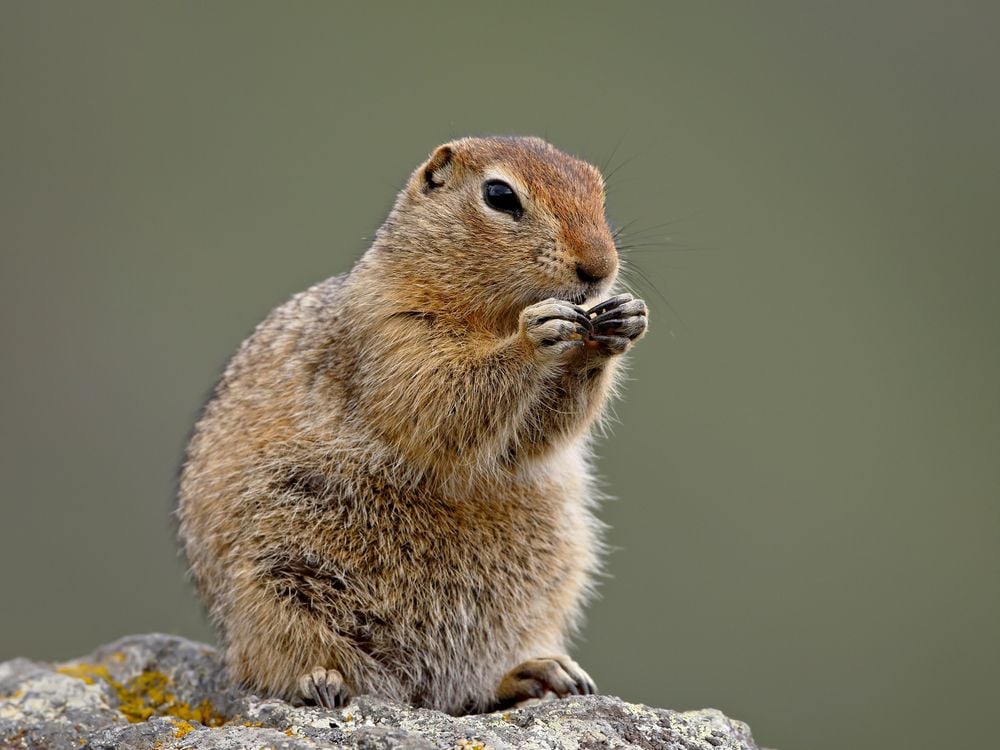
536,678
617,322
555,326
324,687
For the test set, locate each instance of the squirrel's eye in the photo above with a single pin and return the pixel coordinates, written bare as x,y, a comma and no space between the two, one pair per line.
501,197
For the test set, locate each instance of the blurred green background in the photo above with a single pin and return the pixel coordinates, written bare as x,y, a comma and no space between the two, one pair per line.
808,456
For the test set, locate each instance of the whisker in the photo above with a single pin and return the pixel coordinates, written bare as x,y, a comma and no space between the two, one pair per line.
621,231
614,151
631,268
614,171
646,230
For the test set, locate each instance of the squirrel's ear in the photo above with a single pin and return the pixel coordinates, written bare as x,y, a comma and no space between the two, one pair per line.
438,169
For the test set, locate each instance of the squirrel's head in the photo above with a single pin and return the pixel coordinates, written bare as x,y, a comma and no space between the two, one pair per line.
503,223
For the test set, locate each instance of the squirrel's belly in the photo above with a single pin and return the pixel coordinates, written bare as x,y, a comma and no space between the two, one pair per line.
467,596
411,595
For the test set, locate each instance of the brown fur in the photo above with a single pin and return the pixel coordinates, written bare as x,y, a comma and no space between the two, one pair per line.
391,479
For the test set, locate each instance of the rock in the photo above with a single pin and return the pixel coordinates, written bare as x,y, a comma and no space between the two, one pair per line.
163,692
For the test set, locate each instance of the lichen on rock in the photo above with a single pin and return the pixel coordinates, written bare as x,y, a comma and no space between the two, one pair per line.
164,692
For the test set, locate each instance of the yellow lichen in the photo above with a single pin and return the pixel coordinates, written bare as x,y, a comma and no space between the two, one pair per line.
86,672
145,695
183,728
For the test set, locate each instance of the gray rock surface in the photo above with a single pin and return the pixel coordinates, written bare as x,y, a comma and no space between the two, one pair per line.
163,692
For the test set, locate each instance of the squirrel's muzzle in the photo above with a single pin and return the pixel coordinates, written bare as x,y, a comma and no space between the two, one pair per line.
596,260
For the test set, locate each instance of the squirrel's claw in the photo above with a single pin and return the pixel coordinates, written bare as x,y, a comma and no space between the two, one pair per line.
536,678
324,687
617,322
609,304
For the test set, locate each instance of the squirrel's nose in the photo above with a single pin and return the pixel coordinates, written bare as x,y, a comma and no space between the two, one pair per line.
595,262
587,276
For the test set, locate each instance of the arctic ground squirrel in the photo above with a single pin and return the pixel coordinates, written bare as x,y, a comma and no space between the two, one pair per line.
389,491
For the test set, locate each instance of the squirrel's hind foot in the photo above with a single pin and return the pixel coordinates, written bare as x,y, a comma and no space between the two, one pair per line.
324,687
535,678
